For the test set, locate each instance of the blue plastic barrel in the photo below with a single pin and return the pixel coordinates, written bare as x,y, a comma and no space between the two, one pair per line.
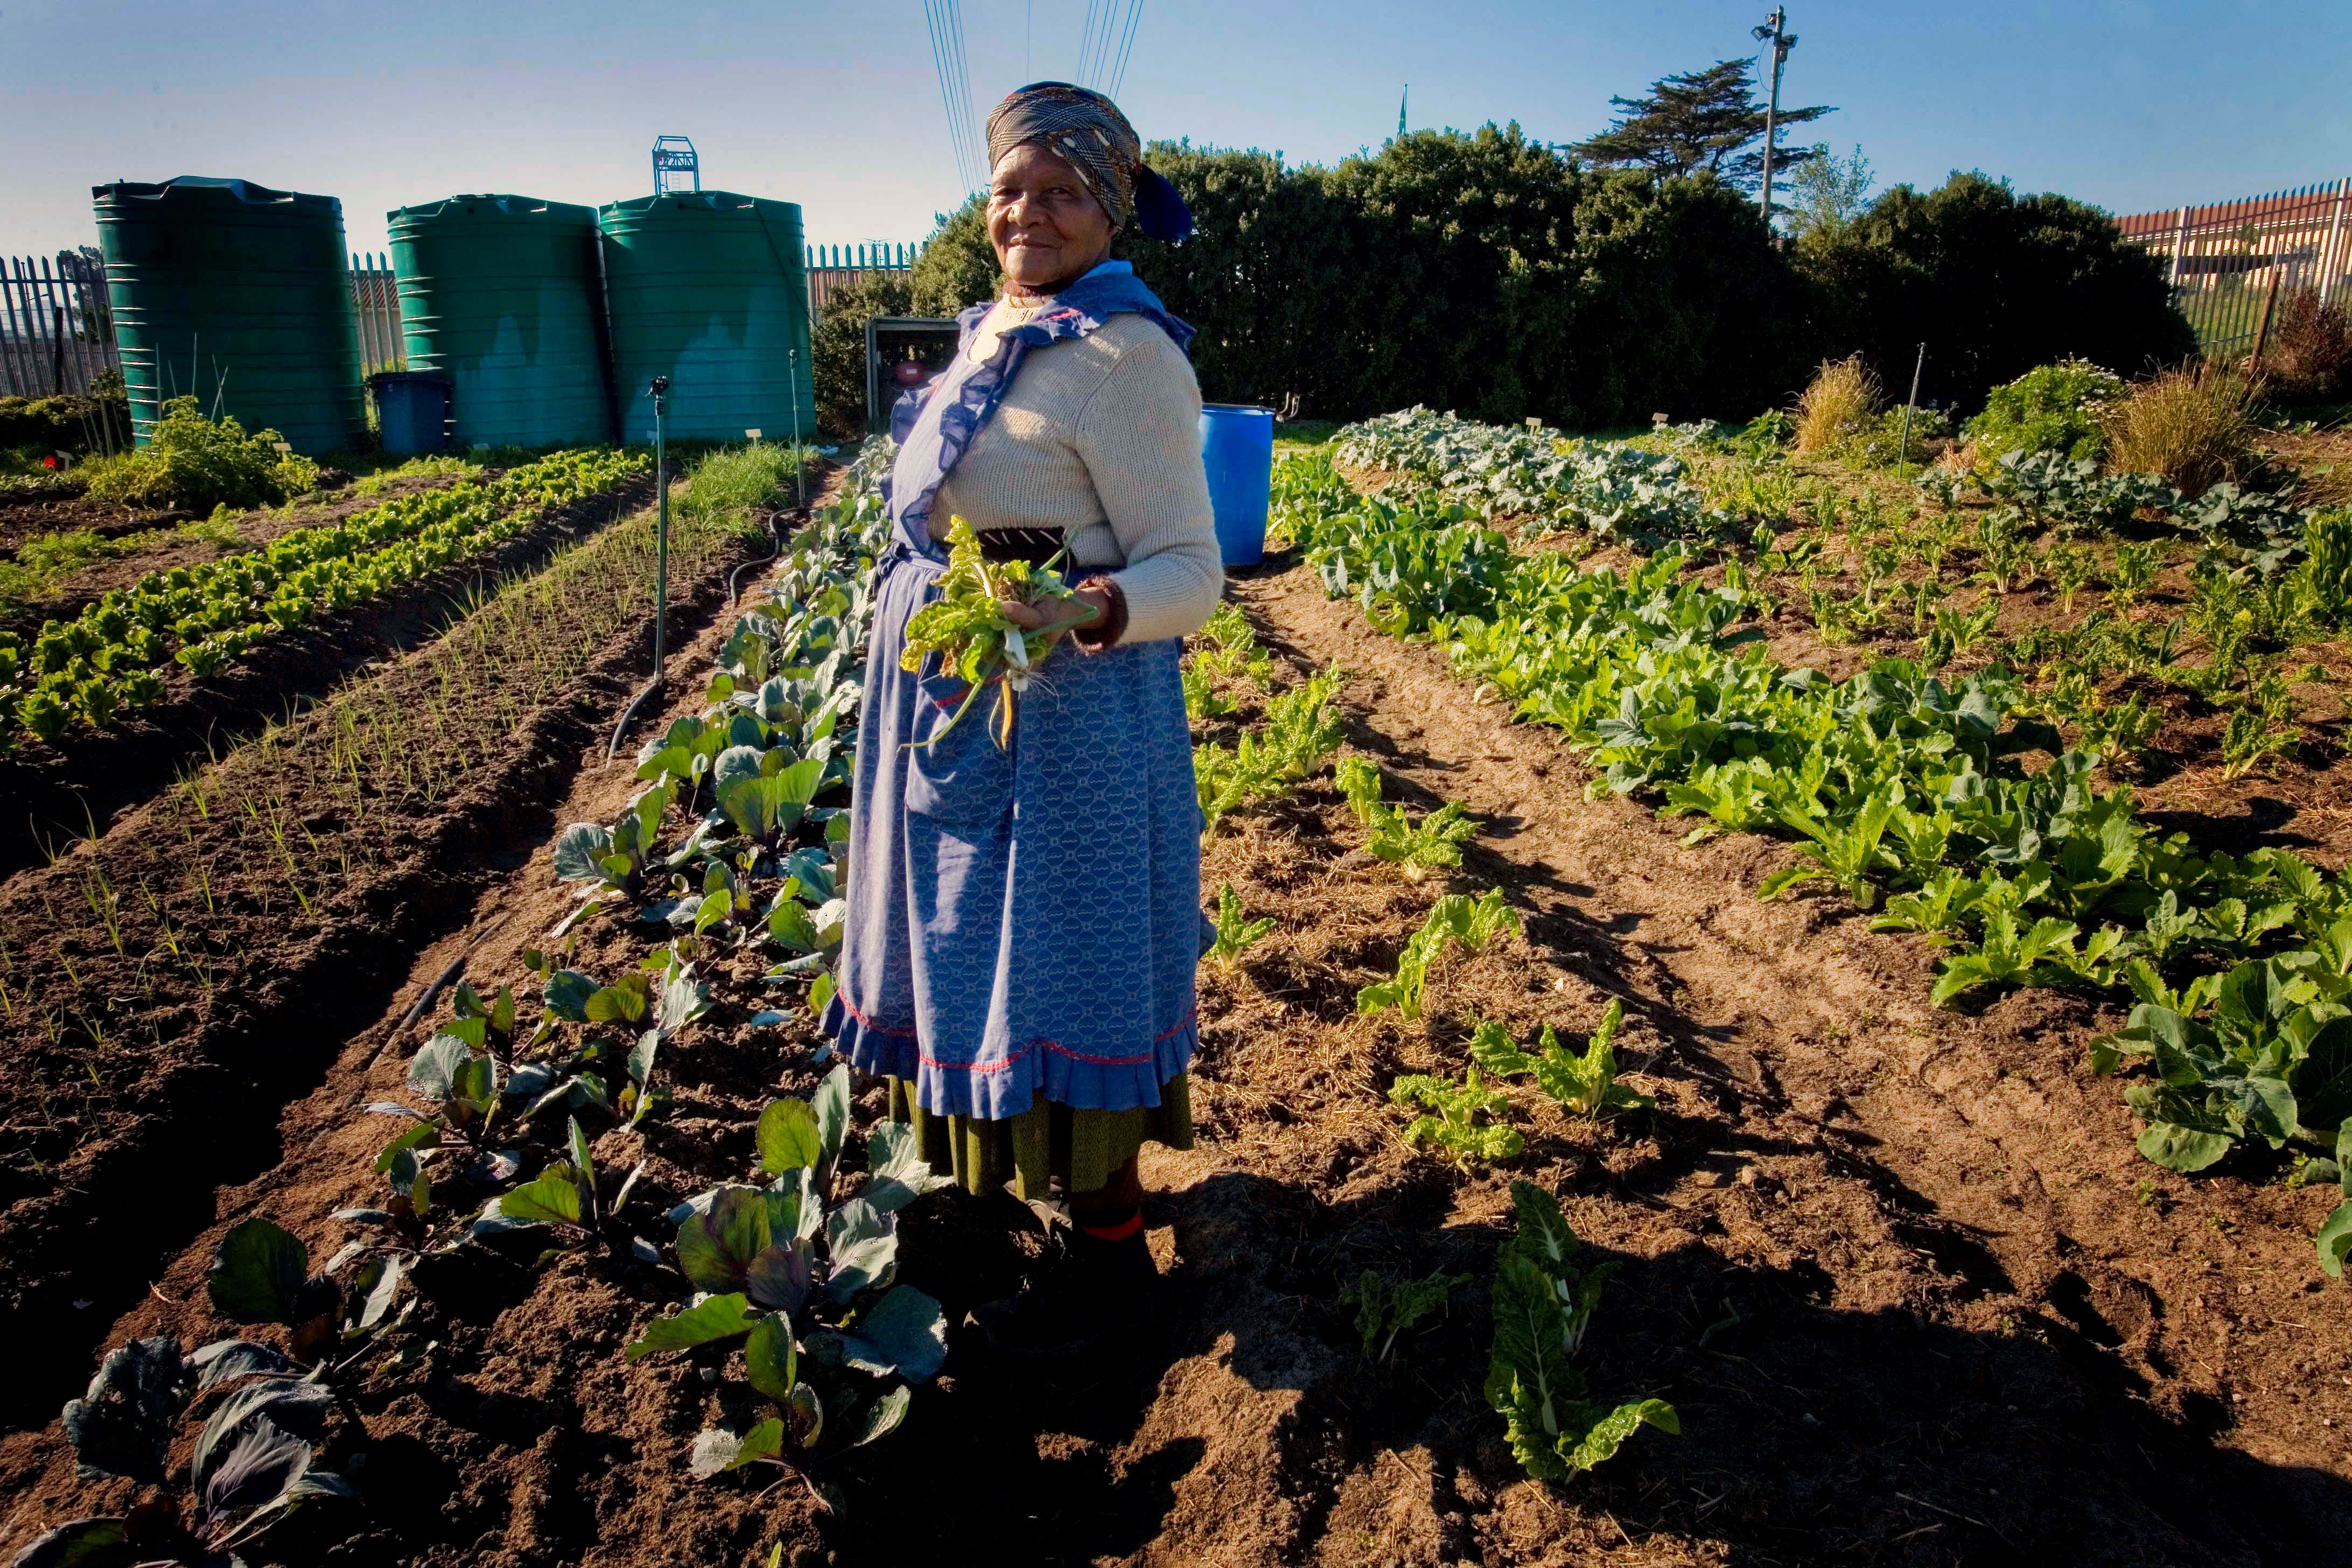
413,407
1238,448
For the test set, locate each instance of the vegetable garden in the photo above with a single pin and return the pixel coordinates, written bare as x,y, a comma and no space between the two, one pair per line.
1761,1011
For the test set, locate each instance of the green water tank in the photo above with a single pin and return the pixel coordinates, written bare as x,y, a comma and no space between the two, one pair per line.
241,295
710,289
501,294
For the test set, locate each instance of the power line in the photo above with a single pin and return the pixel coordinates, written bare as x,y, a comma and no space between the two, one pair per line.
1090,57
1119,76
933,21
1086,39
968,121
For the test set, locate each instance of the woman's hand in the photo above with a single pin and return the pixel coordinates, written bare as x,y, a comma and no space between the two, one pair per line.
1087,609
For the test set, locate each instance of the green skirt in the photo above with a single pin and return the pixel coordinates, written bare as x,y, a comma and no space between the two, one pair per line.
1081,1147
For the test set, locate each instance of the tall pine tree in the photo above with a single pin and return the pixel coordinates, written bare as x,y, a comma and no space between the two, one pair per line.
1699,122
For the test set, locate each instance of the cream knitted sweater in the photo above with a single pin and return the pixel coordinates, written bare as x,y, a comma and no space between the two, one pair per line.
1099,437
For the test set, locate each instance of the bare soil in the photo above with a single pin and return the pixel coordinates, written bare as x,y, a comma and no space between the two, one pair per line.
1915,1296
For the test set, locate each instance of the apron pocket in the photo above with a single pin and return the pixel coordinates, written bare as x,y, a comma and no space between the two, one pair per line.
957,776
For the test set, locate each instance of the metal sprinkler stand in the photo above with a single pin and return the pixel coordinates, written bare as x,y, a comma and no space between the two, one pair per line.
660,390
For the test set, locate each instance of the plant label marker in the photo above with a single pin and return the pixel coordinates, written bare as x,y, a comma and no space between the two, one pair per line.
750,435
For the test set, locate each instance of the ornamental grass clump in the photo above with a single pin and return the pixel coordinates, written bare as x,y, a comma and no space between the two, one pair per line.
2188,424
966,626
1838,405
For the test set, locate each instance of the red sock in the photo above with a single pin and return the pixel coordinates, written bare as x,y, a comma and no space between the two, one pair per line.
1114,1211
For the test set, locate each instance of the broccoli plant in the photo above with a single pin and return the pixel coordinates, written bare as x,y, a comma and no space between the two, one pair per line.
1583,1083
810,1285
1385,1308
251,1466
1543,1302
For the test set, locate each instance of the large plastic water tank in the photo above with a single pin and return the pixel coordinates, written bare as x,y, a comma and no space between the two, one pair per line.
240,295
710,289
500,295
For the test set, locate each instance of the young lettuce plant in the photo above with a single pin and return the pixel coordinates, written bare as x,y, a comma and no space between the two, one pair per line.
250,1468
1543,1303
811,1287
1585,1084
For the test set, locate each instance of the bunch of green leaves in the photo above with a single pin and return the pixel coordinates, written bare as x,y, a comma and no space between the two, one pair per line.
1452,1113
194,464
613,861
809,1284
965,628
1584,1083
1458,919
2271,1060
1235,932
1543,1303
1301,730
2050,408
261,1274
1435,841
1386,1308
646,1007
252,1464
1227,651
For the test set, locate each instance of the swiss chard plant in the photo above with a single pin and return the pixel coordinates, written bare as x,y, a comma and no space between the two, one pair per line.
1583,1082
1387,1308
1460,1118
808,1281
1236,933
1458,919
1543,1303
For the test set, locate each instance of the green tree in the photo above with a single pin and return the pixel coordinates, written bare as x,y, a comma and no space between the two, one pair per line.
1827,191
955,267
837,348
1701,121
1993,282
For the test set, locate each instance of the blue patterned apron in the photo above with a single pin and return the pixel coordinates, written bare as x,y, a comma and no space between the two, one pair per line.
1025,921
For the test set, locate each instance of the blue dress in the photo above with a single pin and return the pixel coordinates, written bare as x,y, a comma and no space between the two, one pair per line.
1023,923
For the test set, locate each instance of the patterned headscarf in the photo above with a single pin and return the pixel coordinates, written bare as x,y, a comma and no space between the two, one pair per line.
1087,131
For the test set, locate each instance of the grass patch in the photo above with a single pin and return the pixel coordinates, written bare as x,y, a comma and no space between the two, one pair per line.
1840,404
2191,424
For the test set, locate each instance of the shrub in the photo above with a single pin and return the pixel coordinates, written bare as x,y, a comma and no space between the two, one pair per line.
2308,356
62,424
837,349
196,464
1840,403
2050,408
1993,282
2188,423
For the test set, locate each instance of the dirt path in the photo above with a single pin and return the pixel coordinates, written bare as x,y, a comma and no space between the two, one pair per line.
1890,1264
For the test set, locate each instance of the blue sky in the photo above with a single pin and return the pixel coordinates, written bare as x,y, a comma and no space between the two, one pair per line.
2128,103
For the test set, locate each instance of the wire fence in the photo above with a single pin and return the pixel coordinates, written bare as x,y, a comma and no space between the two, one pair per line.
2230,263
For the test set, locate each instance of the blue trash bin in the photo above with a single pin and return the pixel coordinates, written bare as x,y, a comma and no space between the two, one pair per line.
1238,448
413,407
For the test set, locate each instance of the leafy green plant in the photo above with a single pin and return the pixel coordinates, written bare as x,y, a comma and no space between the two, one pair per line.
1584,1083
1543,1304
252,1464
1236,933
2050,408
1455,918
810,1285
261,1274
613,861
196,464
965,627
1453,1113
1386,1308
1847,855
1301,730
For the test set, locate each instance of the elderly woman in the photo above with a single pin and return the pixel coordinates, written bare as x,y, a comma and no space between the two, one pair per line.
1023,917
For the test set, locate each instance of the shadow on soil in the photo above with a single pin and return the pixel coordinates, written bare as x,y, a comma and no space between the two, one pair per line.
1890,1437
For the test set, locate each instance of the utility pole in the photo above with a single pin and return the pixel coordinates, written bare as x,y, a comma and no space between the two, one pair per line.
1775,32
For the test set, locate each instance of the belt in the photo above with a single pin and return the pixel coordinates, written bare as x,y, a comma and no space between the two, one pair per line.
1034,545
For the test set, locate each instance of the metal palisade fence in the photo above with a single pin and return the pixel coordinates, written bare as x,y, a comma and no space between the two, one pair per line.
832,267
2230,263
376,301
